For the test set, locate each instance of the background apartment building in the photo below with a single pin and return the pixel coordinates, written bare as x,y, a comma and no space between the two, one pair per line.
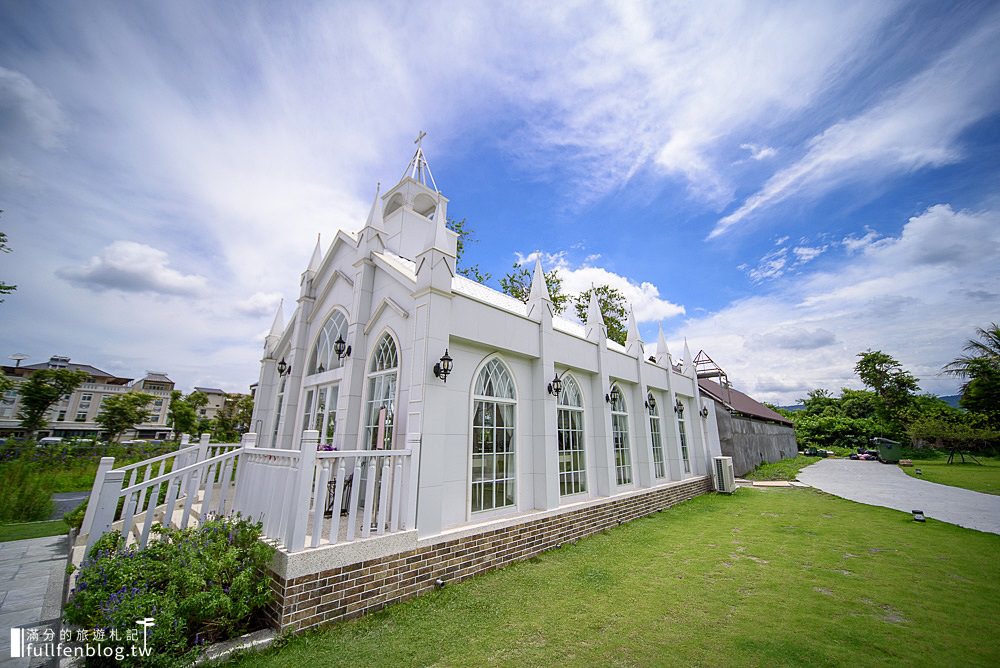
76,414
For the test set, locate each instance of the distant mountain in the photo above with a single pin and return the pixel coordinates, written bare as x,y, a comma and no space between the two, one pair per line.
951,399
796,407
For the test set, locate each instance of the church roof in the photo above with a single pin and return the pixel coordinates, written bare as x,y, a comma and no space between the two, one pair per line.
742,403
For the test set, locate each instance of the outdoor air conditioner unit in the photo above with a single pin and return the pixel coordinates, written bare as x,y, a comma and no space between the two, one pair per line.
725,479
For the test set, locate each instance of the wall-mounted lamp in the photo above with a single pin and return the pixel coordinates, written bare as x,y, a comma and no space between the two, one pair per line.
650,402
341,348
555,387
678,407
284,369
704,411
443,367
615,396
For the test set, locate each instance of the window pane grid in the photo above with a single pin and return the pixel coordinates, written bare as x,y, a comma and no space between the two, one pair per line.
572,463
492,455
684,443
324,357
619,434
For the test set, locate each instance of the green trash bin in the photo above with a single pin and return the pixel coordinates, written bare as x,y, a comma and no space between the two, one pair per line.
888,450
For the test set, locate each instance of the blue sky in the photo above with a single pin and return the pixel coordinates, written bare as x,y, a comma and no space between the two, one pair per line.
783,184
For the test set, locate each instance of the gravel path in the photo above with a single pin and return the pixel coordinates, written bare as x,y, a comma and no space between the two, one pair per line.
886,485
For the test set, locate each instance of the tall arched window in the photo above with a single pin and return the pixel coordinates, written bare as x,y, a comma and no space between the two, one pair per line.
659,470
619,434
381,392
683,434
277,411
572,464
493,421
324,358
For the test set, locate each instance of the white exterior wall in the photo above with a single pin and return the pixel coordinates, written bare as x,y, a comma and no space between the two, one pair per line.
397,275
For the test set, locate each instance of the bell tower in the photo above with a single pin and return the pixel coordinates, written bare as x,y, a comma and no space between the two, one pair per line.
410,208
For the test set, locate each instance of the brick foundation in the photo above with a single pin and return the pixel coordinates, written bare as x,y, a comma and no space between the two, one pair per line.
349,591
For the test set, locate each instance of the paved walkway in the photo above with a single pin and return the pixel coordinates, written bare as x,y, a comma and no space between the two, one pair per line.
886,485
32,573
63,502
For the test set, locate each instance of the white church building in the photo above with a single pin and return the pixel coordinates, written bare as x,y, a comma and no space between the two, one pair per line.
485,414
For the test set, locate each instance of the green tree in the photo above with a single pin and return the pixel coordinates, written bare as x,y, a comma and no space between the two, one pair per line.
886,377
43,389
613,307
517,284
121,412
465,236
980,367
234,417
5,289
181,416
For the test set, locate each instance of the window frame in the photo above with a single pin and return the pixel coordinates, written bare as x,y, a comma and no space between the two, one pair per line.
575,435
510,464
624,475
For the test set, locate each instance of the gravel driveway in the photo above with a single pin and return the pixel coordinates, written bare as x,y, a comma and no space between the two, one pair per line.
886,485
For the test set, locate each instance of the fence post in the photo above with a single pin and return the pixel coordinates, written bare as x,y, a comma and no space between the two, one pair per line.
249,440
413,443
298,510
107,463
107,505
203,447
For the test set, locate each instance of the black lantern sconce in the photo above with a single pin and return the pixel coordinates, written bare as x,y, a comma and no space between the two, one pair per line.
283,368
650,402
615,396
443,367
704,411
341,348
555,387
679,407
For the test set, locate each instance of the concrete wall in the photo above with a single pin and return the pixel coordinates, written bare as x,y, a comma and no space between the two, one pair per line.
752,442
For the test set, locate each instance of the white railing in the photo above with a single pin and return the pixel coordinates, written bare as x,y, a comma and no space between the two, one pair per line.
311,499
303,498
195,479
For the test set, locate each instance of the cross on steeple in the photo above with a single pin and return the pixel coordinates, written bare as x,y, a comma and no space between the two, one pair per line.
418,169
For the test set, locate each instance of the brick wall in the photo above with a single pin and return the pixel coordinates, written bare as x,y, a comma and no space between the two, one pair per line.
350,591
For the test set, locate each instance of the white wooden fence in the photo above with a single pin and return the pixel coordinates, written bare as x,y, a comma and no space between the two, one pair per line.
304,498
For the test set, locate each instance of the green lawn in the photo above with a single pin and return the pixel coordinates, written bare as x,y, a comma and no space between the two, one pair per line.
786,469
985,478
785,577
32,530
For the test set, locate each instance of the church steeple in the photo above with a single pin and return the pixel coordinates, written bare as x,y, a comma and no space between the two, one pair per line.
633,344
418,169
596,329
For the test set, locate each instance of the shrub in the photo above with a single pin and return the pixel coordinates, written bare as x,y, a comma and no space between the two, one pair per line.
25,495
74,518
200,585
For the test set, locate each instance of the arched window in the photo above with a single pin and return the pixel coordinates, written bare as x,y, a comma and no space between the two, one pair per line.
683,434
659,470
493,465
381,392
572,464
277,411
324,357
619,433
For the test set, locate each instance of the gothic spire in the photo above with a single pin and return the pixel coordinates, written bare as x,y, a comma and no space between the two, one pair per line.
662,352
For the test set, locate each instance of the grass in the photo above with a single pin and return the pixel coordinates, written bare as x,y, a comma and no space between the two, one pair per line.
786,469
985,478
777,577
10,532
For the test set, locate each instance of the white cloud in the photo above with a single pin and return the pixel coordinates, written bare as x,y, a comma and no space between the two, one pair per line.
854,244
916,125
917,296
672,85
643,296
133,267
805,254
770,266
26,108
259,304
759,152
